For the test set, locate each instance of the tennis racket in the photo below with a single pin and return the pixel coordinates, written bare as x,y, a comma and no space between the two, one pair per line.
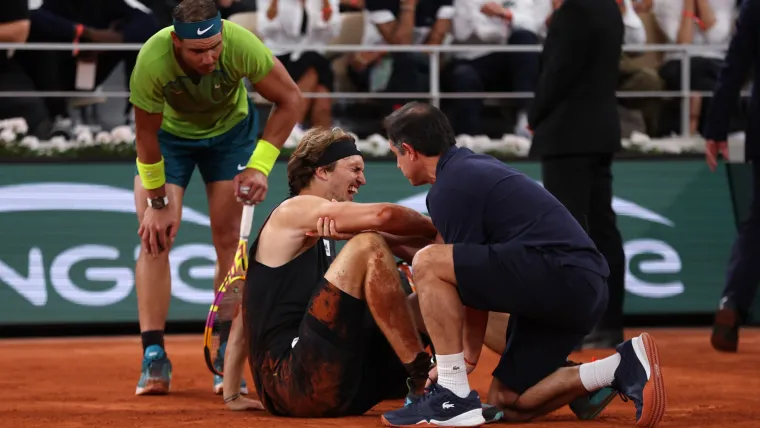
227,300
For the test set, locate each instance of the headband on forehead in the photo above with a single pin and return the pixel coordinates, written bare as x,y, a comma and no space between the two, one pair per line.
200,29
339,149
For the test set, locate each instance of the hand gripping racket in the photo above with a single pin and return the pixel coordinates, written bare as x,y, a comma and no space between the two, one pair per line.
227,300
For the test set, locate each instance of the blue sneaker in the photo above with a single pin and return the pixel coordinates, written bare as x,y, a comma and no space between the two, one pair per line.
639,378
492,413
219,380
589,406
438,407
156,377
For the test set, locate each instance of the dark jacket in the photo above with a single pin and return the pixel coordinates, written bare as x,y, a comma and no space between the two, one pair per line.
743,53
575,108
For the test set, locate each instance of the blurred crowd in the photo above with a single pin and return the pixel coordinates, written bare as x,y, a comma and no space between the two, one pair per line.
312,24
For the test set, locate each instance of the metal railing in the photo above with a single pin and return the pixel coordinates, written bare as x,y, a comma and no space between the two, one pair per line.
433,51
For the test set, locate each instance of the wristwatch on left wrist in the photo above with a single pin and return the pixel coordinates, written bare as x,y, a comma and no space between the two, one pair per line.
158,203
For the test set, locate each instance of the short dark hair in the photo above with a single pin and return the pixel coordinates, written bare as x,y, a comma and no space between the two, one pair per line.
194,10
422,126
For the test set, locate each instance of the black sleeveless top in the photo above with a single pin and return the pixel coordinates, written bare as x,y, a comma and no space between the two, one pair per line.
276,299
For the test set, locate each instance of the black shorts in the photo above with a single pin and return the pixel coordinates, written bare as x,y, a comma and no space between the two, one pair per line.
321,65
552,306
340,364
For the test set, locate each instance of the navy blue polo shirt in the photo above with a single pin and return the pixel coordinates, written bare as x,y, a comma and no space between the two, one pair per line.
477,199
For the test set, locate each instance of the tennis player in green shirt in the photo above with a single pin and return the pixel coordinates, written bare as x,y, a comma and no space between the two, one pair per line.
192,110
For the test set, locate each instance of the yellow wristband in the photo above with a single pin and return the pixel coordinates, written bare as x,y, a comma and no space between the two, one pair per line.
263,157
152,176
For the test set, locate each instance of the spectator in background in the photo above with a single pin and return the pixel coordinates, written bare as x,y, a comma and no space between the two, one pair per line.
478,22
634,77
399,22
743,273
699,22
309,23
74,21
14,28
162,9
577,132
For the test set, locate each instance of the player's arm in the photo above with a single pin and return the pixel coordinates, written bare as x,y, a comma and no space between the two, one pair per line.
280,89
303,213
147,126
270,79
148,101
234,364
405,247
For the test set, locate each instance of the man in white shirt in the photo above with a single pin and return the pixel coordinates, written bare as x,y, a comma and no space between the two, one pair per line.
399,22
513,22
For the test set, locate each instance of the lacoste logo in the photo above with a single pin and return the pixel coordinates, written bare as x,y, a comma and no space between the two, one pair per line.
241,167
447,405
455,368
201,32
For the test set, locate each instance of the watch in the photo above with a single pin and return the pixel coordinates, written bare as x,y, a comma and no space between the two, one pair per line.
158,203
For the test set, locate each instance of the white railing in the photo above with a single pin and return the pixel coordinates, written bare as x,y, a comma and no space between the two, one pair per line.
434,52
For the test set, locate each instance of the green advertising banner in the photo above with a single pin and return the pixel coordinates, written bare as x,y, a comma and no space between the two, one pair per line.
69,238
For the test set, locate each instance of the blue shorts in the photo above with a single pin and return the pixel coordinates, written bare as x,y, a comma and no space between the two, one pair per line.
218,158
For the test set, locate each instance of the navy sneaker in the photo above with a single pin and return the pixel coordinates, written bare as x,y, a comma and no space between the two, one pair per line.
438,407
639,378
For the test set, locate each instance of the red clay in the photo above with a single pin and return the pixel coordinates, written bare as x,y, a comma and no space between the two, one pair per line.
91,383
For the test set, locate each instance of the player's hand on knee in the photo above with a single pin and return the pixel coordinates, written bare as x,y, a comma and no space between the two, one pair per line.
243,403
157,230
251,186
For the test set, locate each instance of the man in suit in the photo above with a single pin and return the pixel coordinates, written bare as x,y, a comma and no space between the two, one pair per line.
577,131
743,273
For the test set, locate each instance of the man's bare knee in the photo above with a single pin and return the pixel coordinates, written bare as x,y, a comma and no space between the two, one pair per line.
424,262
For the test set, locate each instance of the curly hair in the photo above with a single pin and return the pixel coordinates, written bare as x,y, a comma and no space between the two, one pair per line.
301,167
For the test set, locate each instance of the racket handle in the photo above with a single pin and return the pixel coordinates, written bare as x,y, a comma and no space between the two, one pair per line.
246,222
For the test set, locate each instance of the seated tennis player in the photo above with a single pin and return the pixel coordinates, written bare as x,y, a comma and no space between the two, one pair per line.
329,336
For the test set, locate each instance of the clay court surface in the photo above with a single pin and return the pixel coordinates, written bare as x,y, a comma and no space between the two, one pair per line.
91,382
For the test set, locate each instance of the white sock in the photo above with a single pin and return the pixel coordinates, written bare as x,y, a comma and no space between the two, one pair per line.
600,373
452,374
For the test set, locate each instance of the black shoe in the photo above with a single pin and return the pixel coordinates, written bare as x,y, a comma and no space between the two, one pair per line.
725,334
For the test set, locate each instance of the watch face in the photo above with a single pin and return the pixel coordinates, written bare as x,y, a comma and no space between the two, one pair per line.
157,203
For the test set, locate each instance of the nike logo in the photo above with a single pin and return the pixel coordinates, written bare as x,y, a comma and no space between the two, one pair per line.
200,32
241,167
447,405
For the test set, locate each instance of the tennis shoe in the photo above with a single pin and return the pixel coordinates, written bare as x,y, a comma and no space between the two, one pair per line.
156,376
